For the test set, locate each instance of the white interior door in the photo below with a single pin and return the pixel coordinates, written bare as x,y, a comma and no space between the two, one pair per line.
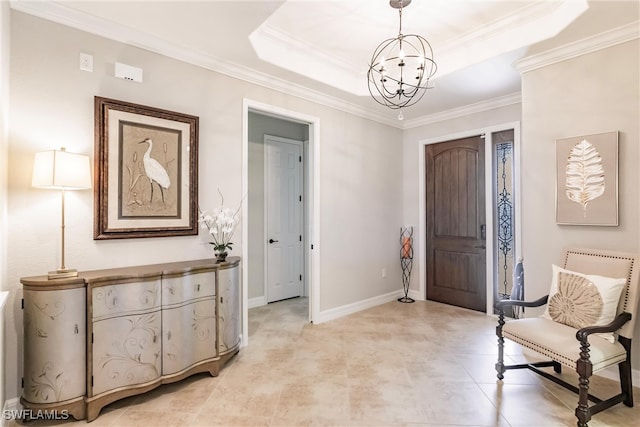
283,193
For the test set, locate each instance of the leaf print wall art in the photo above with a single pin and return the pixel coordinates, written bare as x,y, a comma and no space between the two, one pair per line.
587,180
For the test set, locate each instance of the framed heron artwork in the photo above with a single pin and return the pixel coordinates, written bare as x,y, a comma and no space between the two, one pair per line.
146,169
587,180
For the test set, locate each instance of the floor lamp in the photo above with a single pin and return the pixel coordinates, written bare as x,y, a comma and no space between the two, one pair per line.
59,170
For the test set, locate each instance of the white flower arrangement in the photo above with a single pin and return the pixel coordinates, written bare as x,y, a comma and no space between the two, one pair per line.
221,224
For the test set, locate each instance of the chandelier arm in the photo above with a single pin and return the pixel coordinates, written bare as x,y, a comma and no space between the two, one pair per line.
401,67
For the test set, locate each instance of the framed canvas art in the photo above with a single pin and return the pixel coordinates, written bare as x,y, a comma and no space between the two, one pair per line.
146,169
587,180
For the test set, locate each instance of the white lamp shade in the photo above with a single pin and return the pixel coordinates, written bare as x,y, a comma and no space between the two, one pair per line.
61,170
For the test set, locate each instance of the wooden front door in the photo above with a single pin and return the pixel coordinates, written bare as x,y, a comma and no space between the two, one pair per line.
456,232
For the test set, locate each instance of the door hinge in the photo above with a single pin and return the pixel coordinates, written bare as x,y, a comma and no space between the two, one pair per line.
300,159
301,277
301,237
311,247
300,198
91,380
22,382
91,337
22,303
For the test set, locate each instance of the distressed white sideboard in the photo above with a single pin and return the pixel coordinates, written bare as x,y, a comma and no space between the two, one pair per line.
108,334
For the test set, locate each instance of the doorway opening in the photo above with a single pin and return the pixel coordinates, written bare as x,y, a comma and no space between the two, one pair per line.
279,237
486,235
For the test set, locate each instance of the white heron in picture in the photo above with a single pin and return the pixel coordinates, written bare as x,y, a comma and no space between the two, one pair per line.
154,170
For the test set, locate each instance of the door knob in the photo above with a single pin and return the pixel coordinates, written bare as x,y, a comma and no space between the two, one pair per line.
273,241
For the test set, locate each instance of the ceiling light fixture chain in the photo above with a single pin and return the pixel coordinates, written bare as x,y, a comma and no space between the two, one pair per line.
401,67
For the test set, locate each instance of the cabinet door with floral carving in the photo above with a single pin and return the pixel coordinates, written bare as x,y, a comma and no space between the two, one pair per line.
188,335
126,351
54,345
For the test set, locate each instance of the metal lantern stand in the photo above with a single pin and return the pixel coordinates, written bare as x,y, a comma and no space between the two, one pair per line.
406,261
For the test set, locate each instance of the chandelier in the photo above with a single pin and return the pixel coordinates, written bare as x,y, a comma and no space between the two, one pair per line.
401,67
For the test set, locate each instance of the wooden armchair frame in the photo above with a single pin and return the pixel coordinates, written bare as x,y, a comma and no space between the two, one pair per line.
586,261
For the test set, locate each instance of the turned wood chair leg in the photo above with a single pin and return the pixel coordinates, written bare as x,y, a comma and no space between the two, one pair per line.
584,370
500,365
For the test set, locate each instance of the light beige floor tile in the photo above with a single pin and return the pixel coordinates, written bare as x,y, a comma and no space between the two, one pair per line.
320,403
529,405
389,405
145,418
448,403
437,369
420,364
209,419
257,399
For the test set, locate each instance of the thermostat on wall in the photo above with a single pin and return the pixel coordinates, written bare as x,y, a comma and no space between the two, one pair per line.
127,72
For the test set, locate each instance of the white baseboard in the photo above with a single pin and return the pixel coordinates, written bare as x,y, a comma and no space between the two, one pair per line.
257,302
10,406
415,295
335,313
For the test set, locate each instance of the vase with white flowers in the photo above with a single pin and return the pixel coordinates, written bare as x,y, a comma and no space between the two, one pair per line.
221,224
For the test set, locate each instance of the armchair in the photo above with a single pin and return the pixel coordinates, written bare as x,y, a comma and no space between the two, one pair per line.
576,345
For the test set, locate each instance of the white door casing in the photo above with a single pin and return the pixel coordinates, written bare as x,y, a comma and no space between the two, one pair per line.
283,240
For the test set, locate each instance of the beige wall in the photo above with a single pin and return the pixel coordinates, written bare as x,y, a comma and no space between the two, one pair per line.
52,105
5,26
592,93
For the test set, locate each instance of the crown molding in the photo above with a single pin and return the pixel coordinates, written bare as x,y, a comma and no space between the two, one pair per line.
102,27
581,47
529,24
92,24
478,107
285,50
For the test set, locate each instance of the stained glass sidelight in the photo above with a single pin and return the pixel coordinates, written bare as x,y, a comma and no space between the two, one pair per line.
503,190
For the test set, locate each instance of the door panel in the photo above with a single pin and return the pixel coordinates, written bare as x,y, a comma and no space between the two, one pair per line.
126,351
456,247
284,219
188,335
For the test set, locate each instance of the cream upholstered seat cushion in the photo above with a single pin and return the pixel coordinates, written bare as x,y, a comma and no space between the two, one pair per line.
558,342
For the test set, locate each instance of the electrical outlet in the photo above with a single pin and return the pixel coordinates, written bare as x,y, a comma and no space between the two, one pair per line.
384,273
86,62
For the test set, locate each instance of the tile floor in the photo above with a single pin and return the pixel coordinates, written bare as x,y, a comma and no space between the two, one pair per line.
393,365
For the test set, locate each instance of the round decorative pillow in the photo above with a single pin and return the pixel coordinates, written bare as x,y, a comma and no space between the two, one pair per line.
578,302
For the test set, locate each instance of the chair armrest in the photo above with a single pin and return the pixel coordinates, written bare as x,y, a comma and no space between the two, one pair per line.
500,305
616,324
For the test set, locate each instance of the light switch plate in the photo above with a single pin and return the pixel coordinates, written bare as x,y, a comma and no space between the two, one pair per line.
86,62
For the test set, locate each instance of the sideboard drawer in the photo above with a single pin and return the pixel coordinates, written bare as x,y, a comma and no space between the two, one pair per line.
179,289
125,298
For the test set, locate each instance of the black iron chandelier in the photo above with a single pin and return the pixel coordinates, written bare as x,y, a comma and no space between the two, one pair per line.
401,67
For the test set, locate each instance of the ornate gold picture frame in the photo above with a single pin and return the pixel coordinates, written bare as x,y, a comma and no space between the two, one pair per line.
146,171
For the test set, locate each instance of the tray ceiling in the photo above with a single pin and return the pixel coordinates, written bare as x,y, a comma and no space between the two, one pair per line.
323,46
